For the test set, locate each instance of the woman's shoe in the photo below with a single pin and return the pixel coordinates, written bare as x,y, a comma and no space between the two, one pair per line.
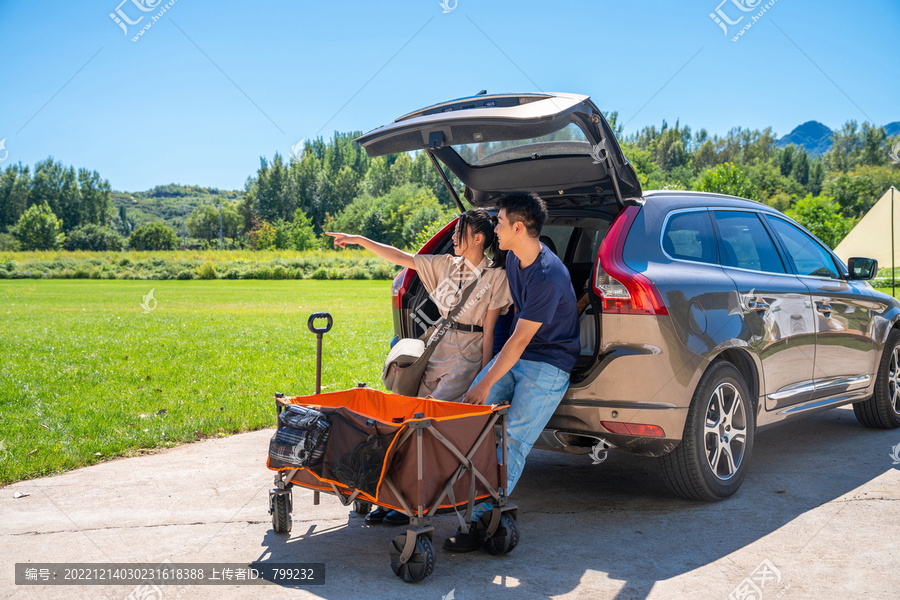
395,517
378,515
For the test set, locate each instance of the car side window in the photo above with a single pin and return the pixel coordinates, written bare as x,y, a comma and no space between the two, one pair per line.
808,256
744,242
690,236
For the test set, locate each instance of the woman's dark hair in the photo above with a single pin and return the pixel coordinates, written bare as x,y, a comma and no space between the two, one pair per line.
480,221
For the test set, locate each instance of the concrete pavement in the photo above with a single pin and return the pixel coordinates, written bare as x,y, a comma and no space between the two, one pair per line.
820,504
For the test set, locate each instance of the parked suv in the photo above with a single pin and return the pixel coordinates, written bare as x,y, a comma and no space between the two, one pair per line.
710,317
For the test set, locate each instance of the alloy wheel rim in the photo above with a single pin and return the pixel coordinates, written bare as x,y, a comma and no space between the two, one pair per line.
894,380
725,430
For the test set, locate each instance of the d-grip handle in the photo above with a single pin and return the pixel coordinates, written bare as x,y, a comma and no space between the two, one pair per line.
322,315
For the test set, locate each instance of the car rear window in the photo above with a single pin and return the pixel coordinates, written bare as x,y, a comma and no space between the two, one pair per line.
690,236
566,141
745,243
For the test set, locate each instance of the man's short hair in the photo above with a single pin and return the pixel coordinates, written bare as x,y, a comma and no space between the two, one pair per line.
526,207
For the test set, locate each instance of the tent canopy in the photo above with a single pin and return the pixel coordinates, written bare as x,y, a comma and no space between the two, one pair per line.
872,235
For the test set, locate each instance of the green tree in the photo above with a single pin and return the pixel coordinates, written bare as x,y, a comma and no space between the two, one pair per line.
302,233
15,185
39,229
857,191
93,237
153,236
95,197
203,223
68,202
395,218
727,179
822,216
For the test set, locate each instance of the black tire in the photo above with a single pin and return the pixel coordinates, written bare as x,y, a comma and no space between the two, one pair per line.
419,566
882,410
281,517
362,508
504,539
699,468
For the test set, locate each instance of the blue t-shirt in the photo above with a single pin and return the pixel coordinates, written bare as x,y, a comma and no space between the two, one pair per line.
542,292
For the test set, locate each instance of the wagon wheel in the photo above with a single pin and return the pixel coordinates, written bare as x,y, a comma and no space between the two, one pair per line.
419,566
281,515
362,508
504,539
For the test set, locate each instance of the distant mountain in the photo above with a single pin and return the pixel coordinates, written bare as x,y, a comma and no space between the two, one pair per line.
816,137
812,135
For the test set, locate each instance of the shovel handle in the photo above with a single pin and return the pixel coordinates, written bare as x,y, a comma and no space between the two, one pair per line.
317,330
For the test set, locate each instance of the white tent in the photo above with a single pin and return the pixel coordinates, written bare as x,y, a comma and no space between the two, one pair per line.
875,236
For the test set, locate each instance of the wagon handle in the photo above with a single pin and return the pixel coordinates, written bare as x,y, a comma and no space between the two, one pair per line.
322,315
319,333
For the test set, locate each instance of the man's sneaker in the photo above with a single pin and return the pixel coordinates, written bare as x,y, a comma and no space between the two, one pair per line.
377,515
462,542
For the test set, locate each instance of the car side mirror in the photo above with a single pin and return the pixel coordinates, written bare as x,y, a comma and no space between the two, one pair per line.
862,268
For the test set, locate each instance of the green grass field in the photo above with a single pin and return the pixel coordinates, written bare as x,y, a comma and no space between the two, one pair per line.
86,374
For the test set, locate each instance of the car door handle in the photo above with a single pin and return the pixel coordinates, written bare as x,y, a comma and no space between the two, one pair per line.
825,309
758,306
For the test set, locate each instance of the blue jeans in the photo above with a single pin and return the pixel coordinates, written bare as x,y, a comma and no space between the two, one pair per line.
534,390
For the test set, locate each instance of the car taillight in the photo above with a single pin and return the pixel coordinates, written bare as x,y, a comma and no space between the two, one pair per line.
622,289
634,429
404,278
399,286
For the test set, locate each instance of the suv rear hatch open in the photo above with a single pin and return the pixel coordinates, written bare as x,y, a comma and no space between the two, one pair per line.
558,145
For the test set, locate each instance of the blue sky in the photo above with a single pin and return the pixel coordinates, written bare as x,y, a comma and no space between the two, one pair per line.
213,86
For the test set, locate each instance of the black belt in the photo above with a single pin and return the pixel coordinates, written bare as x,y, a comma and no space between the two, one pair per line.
466,328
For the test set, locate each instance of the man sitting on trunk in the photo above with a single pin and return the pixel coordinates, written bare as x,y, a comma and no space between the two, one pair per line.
531,372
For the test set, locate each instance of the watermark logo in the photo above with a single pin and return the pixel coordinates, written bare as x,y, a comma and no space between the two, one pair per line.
447,291
445,4
895,455
751,588
297,152
3,148
450,596
723,20
894,153
599,452
146,591
599,152
123,20
146,303
299,454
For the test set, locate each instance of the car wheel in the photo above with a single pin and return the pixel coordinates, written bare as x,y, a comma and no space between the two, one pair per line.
882,410
711,461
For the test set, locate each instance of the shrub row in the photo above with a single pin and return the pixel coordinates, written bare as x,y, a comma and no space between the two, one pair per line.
325,265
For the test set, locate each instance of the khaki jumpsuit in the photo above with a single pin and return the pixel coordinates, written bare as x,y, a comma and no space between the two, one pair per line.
457,358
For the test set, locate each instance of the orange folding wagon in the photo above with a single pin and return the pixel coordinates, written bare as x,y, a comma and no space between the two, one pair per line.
413,455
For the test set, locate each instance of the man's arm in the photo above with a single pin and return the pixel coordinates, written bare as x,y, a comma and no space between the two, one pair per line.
511,352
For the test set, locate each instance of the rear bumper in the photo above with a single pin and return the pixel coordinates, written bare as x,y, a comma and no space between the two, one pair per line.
576,429
650,383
